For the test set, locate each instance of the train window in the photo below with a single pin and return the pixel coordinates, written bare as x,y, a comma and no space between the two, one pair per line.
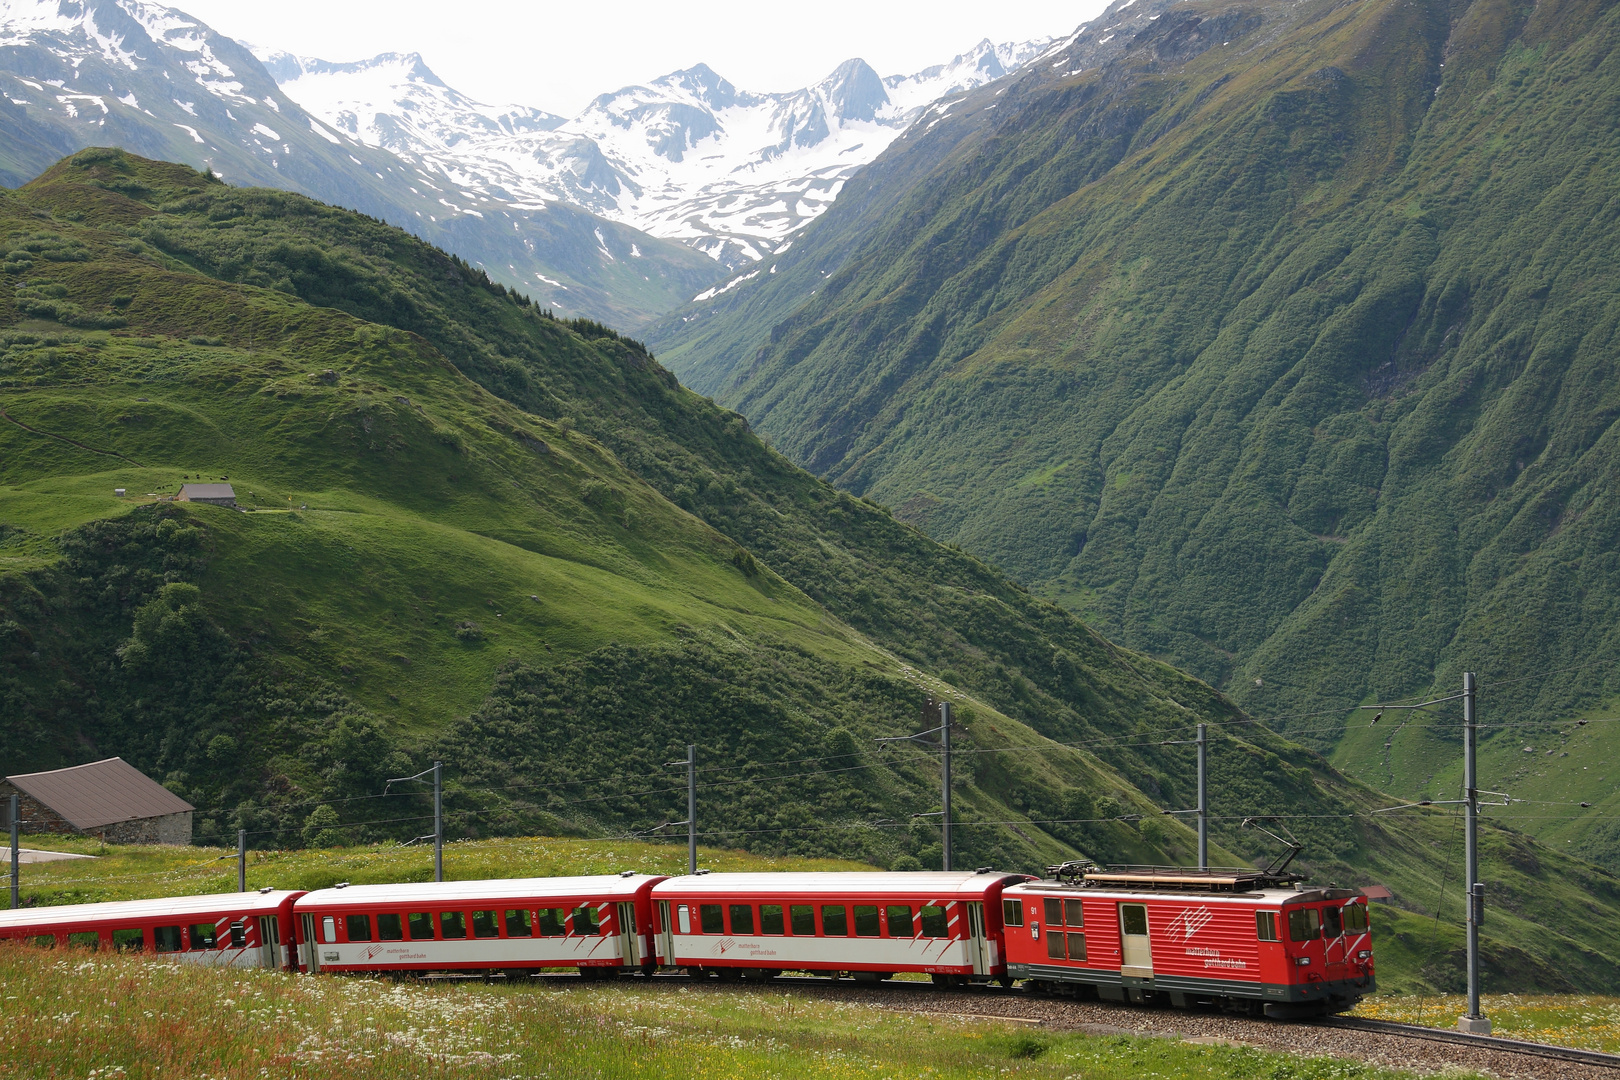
551,921
389,928
87,940
1265,925
452,924
742,918
166,939
238,935
1012,913
517,924
834,920
130,940
485,924
358,926
866,920
329,929
1334,922
1054,944
1073,913
900,921
934,922
683,917
803,919
1133,918
421,924
1304,924
43,941
1077,946
1355,918
586,921
1054,912
712,919
770,919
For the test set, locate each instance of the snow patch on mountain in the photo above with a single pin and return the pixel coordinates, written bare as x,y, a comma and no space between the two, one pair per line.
687,157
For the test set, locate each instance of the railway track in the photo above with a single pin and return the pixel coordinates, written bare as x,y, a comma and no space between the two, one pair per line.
1458,1038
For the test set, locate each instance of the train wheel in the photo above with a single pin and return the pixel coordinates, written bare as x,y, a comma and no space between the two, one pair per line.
943,982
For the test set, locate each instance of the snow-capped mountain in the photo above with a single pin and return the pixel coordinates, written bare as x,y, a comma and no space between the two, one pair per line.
687,157
154,81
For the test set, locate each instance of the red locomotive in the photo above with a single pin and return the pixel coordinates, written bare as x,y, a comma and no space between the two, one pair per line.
1243,940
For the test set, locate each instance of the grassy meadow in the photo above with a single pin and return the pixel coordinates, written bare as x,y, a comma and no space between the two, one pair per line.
79,1014
1584,1021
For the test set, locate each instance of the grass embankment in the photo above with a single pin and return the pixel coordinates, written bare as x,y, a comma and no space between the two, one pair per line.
134,872
79,1014
1586,1021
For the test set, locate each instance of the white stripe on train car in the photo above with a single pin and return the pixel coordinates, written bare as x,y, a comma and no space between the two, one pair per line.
698,950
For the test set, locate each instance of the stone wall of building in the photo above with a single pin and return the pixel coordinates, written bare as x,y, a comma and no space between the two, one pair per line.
39,818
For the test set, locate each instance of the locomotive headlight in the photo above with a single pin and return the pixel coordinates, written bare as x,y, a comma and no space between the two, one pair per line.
1363,954
1302,961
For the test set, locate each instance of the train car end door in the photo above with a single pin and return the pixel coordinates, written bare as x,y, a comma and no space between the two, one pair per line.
310,952
978,940
666,933
1136,949
629,943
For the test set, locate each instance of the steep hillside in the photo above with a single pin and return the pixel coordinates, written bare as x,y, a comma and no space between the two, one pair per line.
516,544
157,82
1279,344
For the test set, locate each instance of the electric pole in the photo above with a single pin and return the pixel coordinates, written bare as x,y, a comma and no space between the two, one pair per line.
1473,1021
438,821
241,860
945,780
691,808
1203,800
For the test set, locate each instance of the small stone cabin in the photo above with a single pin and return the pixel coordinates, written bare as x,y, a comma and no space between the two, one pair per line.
212,494
108,799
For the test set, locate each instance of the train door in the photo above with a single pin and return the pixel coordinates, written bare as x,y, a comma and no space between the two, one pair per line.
310,953
1136,950
666,933
1334,944
978,940
267,941
629,943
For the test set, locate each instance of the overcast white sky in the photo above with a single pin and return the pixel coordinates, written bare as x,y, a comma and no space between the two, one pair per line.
558,56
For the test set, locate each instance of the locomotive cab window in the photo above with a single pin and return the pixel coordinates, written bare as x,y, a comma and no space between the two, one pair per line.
834,920
485,924
1012,913
866,921
770,920
1304,924
1333,922
359,927
421,926
389,928
1265,925
517,924
1355,918
711,918
934,922
742,918
802,917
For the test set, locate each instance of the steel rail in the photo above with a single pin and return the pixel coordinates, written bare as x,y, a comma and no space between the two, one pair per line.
1479,1042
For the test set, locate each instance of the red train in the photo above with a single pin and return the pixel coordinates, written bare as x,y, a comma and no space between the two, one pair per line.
1238,940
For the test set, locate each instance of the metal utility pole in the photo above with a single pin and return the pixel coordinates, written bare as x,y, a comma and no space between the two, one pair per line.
438,821
1473,1020
241,860
691,808
16,853
1203,800
945,779
944,744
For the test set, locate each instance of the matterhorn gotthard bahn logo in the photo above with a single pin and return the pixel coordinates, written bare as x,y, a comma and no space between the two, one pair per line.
1190,921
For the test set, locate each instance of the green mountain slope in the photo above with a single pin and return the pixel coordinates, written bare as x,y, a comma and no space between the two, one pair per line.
515,544
1280,346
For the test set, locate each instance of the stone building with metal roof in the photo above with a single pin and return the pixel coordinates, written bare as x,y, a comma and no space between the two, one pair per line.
108,799
213,494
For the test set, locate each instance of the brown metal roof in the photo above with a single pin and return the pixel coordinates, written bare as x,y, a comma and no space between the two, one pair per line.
206,491
100,793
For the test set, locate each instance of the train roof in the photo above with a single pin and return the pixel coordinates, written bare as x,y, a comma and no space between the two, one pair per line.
923,883
1256,896
133,911
604,886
